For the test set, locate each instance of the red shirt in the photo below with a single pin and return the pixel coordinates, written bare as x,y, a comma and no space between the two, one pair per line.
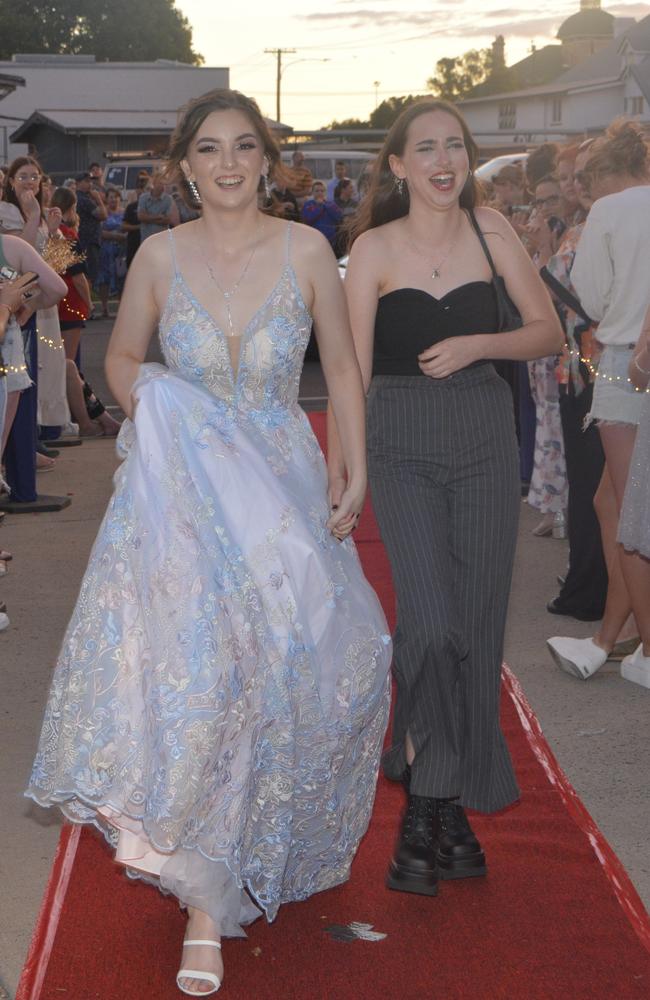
72,307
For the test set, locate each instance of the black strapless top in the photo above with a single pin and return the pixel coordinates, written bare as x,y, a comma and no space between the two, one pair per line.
409,320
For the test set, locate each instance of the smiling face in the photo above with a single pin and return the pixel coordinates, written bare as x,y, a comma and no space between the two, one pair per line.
435,162
225,159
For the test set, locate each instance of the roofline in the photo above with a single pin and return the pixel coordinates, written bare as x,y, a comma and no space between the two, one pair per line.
108,64
571,86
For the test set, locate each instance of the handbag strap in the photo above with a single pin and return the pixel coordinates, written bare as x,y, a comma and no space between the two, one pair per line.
483,242
564,295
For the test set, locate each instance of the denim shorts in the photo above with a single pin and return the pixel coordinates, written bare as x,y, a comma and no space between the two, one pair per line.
616,401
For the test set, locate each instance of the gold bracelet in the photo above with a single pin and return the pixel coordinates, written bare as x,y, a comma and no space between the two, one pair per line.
635,359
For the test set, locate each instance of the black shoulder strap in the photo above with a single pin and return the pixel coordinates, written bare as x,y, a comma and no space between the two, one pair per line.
483,243
564,295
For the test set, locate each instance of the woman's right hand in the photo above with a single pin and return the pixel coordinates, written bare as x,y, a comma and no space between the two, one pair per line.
29,204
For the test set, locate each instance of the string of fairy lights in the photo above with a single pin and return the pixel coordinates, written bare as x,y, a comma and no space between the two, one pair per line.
593,370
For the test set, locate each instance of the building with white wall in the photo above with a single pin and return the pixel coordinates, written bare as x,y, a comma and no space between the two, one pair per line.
582,100
72,109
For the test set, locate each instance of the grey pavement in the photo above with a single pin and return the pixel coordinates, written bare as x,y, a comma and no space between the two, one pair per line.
598,730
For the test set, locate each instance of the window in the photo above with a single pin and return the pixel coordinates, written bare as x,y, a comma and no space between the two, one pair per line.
556,110
115,177
507,114
632,105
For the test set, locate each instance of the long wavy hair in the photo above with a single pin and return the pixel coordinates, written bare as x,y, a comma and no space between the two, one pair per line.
8,193
383,203
192,116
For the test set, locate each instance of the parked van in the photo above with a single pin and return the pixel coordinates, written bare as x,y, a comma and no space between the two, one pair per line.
321,162
122,172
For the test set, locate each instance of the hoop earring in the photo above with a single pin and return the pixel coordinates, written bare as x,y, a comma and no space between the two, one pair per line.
195,191
399,184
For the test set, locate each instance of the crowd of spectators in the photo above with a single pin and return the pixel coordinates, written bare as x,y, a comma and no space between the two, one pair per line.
577,413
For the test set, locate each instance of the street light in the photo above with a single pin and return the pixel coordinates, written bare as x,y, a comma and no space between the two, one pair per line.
376,85
281,69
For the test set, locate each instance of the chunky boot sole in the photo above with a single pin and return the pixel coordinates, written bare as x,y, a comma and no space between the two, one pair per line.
473,866
405,880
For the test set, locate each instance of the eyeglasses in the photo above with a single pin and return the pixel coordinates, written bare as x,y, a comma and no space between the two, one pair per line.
28,177
551,200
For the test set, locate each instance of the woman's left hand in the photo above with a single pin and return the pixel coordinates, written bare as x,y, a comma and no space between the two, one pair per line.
449,356
346,516
54,219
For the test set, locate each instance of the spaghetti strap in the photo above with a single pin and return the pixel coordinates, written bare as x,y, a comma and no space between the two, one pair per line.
172,245
289,228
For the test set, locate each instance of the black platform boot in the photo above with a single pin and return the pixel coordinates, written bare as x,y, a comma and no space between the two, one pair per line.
413,868
458,852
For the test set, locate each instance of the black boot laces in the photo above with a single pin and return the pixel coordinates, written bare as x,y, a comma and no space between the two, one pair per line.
451,817
418,821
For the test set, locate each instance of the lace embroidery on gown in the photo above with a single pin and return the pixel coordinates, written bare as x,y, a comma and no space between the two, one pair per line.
220,700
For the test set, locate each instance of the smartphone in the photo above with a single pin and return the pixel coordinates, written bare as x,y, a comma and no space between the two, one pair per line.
7,273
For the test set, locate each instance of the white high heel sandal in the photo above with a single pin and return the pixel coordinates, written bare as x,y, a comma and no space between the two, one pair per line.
208,977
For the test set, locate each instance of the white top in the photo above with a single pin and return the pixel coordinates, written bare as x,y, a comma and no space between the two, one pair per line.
611,271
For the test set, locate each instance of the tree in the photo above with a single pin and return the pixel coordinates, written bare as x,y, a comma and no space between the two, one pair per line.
389,110
119,30
348,123
457,77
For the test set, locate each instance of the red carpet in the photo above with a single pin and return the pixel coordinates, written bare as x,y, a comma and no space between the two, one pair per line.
556,917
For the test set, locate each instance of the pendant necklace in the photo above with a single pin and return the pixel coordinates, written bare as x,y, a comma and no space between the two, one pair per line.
229,293
435,273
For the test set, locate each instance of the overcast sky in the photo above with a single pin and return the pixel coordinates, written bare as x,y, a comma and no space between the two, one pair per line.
373,49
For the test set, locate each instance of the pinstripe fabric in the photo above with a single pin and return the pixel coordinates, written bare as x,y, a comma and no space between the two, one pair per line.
445,488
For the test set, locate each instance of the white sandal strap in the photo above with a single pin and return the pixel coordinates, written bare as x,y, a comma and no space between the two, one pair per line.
213,944
207,977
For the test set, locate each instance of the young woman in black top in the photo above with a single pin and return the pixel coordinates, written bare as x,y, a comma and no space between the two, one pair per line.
443,471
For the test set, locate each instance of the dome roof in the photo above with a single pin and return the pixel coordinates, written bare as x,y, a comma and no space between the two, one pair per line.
590,23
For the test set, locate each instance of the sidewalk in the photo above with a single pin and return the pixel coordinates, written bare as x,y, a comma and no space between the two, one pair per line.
598,730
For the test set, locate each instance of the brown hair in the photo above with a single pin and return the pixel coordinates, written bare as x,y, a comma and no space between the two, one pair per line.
621,150
8,193
63,198
568,153
192,116
383,203
540,163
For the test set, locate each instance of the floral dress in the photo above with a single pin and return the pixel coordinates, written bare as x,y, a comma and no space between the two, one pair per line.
220,701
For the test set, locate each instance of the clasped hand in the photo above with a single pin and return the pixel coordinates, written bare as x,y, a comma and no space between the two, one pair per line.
443,359
15,293
346,501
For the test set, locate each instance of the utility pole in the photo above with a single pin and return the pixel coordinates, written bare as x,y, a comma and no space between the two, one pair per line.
278,53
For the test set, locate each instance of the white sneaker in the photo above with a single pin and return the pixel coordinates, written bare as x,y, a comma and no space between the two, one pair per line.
69,430
636,667
579,657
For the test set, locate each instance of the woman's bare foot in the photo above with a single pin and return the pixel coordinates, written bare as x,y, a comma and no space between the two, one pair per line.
43,462
201,957
109,426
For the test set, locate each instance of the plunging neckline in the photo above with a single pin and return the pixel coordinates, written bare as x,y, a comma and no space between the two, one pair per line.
239,338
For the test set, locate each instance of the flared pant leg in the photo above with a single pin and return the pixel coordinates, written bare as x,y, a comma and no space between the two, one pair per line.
445,488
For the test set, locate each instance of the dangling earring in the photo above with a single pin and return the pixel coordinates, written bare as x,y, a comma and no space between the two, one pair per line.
399,184
265,177
195,191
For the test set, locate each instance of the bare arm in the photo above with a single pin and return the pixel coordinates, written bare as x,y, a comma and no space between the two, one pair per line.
341,371
540,334
23,258
362,292
80,282
640,364
136,321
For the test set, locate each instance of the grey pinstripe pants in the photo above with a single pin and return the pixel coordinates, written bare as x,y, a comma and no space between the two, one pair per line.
445,488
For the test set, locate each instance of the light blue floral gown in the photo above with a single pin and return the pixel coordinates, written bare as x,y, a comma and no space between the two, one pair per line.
220,701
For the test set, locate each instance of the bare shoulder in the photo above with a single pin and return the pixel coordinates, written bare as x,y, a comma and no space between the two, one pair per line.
493,223
308,241
375,243
154,256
